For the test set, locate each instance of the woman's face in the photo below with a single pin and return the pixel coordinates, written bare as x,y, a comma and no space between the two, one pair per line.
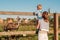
45,15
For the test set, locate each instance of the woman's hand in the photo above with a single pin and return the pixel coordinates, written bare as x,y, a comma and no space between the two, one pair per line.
38,27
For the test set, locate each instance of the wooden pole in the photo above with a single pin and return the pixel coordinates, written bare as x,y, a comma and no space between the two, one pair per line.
55,26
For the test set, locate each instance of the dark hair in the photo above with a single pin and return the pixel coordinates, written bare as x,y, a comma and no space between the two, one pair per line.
44,13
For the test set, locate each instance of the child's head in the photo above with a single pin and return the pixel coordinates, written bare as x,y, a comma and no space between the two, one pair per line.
39,7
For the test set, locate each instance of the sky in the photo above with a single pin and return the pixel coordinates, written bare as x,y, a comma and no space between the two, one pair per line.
29,5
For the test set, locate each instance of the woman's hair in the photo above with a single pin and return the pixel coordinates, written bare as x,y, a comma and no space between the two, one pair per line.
44,13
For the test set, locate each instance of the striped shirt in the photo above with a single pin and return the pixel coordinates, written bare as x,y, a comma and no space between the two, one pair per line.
39,14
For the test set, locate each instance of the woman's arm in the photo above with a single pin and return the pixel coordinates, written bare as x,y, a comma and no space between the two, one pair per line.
38,25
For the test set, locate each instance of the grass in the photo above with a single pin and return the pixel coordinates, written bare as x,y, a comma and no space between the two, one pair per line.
33,37
1,27
29,28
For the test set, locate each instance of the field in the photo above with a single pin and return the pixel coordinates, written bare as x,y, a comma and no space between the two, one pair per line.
28,37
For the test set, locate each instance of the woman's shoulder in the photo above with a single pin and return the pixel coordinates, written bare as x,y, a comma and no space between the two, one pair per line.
40,20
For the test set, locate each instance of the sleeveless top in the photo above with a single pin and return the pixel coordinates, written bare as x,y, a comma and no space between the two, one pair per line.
44,25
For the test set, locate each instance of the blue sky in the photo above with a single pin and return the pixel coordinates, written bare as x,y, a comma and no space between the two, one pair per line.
29,5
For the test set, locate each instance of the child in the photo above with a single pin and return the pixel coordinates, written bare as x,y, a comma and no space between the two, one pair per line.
38,13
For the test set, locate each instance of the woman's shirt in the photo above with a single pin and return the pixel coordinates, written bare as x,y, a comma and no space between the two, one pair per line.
44,25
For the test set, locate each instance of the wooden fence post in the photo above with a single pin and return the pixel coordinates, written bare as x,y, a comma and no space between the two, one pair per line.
55,26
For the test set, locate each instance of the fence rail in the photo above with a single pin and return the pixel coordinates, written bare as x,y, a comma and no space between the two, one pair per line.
21,33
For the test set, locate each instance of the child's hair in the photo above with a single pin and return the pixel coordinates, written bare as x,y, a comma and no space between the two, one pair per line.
39,5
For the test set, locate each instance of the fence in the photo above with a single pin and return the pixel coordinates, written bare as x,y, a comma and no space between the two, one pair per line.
31,32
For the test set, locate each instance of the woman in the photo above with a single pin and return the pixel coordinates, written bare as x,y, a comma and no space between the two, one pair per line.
43,26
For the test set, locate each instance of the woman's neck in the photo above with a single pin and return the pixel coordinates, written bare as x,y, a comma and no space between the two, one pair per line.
46,20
